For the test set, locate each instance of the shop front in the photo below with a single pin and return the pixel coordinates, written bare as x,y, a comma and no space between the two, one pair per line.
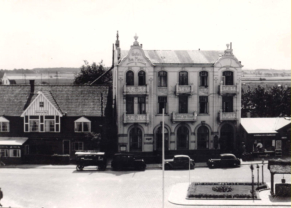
12,149
265,137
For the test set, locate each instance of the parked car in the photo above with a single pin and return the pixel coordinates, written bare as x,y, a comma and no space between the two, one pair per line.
123,161
179,162
224,160
90,158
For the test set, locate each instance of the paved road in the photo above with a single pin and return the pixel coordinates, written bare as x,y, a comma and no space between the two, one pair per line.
63,187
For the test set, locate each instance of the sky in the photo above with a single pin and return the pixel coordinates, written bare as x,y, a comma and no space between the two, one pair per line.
64,33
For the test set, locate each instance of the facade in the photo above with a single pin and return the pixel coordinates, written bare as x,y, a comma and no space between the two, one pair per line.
200,92
42,121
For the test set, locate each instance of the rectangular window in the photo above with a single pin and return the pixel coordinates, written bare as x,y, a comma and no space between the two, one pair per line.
203,104
204,79
4,126
227,104
183,104
50,125
162,79
34,125
81,126
129,105
4,152
78,146
162,103
141,105
26,149
14,153
41,104
183,78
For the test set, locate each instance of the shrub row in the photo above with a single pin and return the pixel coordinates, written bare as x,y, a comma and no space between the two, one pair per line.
222,196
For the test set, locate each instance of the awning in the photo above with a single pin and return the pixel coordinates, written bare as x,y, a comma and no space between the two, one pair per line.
13,140
264,125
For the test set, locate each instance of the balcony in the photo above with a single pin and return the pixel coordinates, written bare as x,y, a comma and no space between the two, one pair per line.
184,117
228,89
227,116
184,89
136,90
136,118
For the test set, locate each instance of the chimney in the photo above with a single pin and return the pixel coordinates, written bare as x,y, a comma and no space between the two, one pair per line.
31,82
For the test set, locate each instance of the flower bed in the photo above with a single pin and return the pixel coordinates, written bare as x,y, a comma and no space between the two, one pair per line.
222,191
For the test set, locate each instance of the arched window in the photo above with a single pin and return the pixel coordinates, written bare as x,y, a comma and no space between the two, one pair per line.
162,79
228,78
159,139
203,79
182,138
203,137
142,78
183,78
135,140
130,78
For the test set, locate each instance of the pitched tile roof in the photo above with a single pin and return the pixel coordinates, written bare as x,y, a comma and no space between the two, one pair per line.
70,99
180,56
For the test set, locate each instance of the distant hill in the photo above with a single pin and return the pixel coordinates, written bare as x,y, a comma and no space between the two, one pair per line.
62,70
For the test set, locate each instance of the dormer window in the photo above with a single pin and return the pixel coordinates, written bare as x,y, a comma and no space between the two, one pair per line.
41,104
82,125
4,125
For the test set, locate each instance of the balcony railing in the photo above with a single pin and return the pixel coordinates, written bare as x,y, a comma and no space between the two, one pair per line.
227,89
187,117
136,90
227,116
184,89
136,118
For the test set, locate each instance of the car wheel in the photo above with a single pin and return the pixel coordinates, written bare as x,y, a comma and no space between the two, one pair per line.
212,165
102,168
142,167
167,167
79,167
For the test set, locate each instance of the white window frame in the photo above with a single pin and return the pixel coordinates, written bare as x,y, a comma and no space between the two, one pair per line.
43,123
2,121
18,152
4,152
82,120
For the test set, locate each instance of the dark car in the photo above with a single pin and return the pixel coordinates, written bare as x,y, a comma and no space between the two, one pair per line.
224,160
90,158
179,162
122,161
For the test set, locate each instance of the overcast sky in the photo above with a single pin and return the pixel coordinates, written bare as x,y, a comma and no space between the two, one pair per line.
64,33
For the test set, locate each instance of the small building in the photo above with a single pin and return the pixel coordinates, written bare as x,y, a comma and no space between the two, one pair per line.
267,137
42,121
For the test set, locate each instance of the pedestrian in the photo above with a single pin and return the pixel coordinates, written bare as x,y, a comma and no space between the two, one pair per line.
1,196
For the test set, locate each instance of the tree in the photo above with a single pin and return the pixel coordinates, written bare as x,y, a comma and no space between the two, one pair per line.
89,73
262,102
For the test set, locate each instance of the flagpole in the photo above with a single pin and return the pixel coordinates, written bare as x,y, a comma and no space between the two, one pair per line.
163,158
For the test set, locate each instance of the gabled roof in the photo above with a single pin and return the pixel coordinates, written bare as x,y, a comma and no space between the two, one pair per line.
180,56
70,99
264,125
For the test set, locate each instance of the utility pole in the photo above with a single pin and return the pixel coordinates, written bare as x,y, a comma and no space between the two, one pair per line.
163,158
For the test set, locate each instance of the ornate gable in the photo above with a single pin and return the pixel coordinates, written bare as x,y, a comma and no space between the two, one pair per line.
43,104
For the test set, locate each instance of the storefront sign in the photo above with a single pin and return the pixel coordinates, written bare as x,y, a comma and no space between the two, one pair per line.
41,112
264,134
9,147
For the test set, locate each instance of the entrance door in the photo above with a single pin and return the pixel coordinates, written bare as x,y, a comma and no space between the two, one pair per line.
226,138
182,138
159,139
135,140
66,147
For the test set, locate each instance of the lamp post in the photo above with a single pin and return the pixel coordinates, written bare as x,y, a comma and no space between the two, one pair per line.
252,191
258,167
263,170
